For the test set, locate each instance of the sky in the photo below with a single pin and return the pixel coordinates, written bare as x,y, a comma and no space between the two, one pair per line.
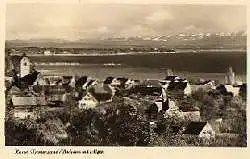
84,21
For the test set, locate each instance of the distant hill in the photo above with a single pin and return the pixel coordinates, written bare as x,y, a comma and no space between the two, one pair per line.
178,41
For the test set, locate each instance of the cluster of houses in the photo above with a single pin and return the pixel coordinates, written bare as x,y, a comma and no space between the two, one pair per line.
30,91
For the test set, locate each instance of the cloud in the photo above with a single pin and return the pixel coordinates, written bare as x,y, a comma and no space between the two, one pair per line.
103,29
93,21
191,29
159,16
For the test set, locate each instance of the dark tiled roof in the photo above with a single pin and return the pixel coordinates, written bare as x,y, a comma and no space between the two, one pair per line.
99,93
122,79
30,78
177,86
170,78
81,81
16,61
194,128
90,82
108,80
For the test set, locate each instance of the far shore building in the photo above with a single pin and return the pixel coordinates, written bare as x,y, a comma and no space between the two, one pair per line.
48,52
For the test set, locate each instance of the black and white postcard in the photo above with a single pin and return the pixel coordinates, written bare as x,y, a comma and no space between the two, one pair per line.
81,74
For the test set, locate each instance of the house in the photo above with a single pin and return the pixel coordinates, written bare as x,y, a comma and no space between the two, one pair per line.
40,80
66,80
53,93
149,87
27,113
53,80
116,82
67,99
72,82
25,66
89,83
24,101
121,82
108,80
21,64
102,93
81,81
50,89
130,83
201,129
15,91
25,107
26,81
233,89
162,105
162,102
206,86
179,88
47,52
87,102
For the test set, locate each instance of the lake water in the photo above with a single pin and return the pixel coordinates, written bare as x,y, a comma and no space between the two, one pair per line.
142,66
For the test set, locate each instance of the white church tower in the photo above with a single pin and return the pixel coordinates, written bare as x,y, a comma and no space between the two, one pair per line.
25,66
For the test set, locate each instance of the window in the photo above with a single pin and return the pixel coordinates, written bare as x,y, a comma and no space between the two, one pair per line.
25,64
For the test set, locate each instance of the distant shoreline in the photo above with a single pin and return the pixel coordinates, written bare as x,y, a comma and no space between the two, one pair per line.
142,53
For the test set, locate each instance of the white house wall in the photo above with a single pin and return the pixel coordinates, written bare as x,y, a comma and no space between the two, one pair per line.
24,66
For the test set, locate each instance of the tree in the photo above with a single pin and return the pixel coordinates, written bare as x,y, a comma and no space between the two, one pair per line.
21,133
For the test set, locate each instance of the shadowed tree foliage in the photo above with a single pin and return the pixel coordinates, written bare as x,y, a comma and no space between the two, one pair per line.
120,125
21,133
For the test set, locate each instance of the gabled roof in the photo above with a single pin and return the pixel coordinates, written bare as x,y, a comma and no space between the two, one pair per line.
81,81
67,77
90,82
99,93
194,128
122,79
30,78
